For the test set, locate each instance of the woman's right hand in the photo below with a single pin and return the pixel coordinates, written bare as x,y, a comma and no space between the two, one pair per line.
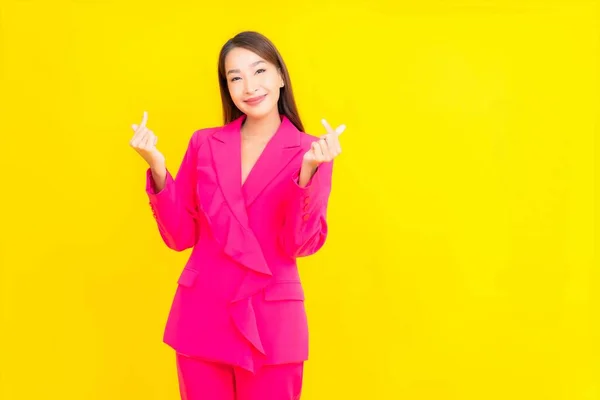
144,142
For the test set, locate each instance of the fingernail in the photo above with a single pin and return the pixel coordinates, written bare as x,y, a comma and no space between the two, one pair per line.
341,128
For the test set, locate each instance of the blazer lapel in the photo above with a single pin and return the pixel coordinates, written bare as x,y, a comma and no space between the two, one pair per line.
278,153
226,150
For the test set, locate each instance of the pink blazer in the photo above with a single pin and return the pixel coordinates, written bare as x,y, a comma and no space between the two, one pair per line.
239,299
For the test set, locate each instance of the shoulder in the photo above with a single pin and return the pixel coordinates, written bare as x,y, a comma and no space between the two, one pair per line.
200,135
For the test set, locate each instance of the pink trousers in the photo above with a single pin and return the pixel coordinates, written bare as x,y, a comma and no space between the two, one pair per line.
202,380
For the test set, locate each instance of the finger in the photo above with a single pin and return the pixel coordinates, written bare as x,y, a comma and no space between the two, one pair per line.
327,156
134,127
145,119
320,146
315,148
327,126
139,137
139,130
147,141
340,129
333,145
151,139
317,153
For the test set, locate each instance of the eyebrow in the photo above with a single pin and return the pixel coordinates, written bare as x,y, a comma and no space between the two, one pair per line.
237,71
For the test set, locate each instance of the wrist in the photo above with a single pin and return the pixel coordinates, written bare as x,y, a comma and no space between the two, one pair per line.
309,166
158,169
306,173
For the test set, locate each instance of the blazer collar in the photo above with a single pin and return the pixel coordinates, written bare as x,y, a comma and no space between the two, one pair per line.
279,151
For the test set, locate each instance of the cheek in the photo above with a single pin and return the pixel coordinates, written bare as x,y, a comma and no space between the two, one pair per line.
236,93
271,82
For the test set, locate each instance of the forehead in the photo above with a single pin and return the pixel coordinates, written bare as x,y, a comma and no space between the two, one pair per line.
239,58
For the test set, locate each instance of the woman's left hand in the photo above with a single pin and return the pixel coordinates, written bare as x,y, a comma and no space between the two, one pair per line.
325,149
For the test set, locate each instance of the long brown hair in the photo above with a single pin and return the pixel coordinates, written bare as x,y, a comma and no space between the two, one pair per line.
264,48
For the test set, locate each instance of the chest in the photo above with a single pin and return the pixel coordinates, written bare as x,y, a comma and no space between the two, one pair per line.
250,178
250,154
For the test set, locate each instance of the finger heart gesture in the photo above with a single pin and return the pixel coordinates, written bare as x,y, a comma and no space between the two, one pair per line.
327,148
144,142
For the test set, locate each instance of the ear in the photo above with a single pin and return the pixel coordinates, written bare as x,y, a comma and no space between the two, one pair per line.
281,77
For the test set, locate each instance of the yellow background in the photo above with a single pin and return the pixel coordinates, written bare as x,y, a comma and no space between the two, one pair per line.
461,258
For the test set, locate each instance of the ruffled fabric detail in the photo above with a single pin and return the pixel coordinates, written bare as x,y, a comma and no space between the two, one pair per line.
238,241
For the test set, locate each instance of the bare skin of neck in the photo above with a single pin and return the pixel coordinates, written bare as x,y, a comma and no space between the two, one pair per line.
261,129
255,136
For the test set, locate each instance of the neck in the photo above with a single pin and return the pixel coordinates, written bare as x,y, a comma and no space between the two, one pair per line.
263,128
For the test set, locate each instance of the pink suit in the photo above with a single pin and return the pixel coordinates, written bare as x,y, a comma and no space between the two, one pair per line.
239,299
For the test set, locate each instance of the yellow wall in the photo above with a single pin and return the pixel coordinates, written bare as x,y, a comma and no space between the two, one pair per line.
460,262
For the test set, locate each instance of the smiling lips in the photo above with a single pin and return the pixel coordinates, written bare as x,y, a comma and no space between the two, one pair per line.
255,100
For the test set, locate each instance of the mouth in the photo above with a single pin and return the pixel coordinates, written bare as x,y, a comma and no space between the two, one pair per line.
255,100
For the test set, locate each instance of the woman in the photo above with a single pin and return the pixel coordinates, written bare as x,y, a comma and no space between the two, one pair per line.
250,197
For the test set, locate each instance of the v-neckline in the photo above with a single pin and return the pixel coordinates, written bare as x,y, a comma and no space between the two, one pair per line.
258,159
279,151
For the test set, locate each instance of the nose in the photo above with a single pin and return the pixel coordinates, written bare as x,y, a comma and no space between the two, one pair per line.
250,86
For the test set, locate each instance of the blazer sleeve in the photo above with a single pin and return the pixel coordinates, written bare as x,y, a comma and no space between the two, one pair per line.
305,225
175,206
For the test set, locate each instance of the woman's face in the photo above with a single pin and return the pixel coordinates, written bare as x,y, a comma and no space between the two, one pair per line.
254,84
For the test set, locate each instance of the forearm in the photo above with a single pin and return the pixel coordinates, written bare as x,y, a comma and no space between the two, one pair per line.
175,215
305,228
159,177
174,201
306,174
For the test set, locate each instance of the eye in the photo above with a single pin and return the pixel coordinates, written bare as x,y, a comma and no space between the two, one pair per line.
234,78
260,70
